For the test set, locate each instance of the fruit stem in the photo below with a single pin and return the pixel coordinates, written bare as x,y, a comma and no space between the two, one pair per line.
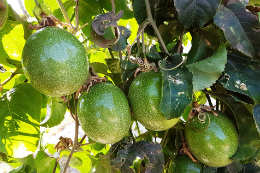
181,133
150,19
144,52
64,12
10,78
75,138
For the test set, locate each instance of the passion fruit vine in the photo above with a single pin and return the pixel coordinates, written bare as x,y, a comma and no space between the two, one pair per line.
104,113
145,96
55,62
213,140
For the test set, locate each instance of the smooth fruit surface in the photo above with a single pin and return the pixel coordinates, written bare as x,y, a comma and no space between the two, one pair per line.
3,13
213,142
55,62
104,113
144,95
183,164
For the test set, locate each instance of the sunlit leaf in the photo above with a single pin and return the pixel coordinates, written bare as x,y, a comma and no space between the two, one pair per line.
20,114
206,72
57,113
43,163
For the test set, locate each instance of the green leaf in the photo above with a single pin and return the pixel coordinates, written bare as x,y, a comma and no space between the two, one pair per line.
140,13
242,75
57,114
142,149
196,13
13,42
177,91
113,65
28,163
20,110
256,113
240,28
170,32
29,5
200,49
99,67
250,167
43,163
248,134
87,9
207,71
234,167
9,26
104,166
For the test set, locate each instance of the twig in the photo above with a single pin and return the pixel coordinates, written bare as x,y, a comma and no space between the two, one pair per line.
111,54
10,78
75,138
180,43
64,12
217,104
209,100
150,18
137,126
56,164
86,144
140,31
71,114
144,52
131,133
81,141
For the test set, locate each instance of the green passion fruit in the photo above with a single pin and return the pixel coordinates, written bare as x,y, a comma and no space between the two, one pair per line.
55,62
183,164
104,113
213,140
3,13
145,96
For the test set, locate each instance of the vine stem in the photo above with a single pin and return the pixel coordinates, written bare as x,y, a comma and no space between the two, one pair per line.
10,78
77,16
113,5
64,12
209,100
150,18
140,31
164,138
75,138
37,2
137,126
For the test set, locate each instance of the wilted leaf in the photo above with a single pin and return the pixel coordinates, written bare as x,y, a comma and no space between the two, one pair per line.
242,75
57,113
142,149
248,135
234,167
20,115
196,13
206,72
177,91
122,42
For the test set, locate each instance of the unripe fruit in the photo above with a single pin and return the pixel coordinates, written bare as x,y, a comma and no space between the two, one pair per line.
55,62
213,140
104,113
145,96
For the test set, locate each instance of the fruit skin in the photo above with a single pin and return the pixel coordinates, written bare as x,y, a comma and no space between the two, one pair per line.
145,96
104,113
55,62
183,164
215,145
3,13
